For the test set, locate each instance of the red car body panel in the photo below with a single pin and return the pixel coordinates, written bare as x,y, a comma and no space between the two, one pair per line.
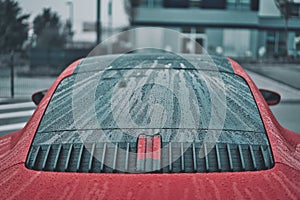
280,182
285,144
14,147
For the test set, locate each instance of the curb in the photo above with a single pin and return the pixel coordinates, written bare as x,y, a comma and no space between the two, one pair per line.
14,100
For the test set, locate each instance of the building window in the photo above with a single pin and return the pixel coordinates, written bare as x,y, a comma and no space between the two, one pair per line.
150,3
297,41
213,4
275,43
205,4
295,51
243,5
194,40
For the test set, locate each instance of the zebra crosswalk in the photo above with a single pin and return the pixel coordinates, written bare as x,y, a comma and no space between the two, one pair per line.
14,116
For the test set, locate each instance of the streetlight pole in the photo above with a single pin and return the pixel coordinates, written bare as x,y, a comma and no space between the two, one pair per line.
110,5
70,22
98,25
12,84
71,11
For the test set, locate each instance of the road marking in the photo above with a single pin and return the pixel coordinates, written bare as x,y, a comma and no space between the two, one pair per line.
17,105
16,114
12,126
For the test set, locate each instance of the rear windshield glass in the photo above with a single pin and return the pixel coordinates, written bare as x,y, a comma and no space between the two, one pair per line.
152,99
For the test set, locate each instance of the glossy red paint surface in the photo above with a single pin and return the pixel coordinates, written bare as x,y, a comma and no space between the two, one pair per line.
156,155
141,147
285,144
280,182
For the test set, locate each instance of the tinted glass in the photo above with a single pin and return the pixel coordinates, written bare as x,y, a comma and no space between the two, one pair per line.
170,99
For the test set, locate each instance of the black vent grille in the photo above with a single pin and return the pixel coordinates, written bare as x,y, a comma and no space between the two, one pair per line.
122,158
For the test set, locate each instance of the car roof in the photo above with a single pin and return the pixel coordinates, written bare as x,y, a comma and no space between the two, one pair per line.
145,61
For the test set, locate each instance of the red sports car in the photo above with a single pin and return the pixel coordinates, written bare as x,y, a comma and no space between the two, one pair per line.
152,126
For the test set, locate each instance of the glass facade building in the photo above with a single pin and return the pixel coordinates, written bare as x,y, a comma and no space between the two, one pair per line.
238,28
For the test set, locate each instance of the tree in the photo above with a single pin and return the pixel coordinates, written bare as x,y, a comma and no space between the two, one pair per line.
47,28
13,26
287,9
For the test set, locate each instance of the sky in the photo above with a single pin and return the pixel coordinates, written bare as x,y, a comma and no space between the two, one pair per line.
84,11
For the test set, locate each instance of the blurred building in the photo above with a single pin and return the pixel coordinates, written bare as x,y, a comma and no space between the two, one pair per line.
238,28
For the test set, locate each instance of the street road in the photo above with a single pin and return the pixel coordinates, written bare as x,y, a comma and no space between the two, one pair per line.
14,116
288,74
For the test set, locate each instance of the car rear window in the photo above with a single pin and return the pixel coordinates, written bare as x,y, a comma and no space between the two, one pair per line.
112,102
